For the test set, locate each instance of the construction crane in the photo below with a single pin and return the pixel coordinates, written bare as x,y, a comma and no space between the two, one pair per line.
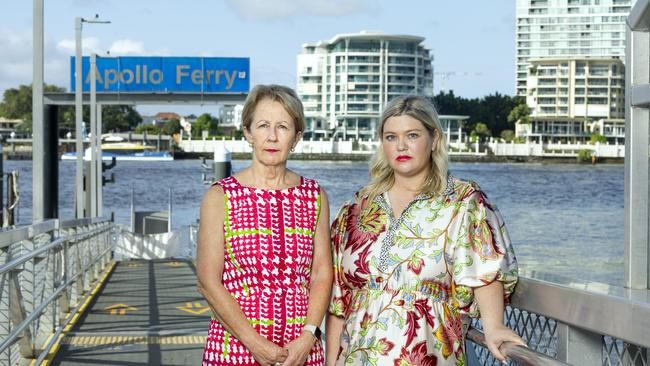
444,76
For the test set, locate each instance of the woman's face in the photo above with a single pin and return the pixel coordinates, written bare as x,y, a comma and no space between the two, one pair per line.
407,145
272,133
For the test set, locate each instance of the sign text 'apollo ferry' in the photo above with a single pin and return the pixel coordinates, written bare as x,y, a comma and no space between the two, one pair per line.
166,74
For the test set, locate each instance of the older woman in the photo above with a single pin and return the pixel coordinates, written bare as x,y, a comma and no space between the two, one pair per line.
415,250
263,260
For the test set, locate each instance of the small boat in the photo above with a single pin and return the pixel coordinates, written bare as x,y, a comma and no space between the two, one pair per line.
125,151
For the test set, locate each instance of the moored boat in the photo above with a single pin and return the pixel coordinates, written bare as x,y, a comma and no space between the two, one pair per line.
125,151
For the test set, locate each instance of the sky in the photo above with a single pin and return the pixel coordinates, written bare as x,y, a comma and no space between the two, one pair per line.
475,39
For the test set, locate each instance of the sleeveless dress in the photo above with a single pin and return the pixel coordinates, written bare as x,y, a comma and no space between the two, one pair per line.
268,248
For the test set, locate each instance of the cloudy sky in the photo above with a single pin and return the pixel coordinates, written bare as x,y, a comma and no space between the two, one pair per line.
472,38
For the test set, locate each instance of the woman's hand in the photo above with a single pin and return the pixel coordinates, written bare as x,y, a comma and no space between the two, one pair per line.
267,353
299,349
496,336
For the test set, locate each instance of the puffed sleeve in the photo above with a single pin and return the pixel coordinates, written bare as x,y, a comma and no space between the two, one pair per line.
482,253
341,293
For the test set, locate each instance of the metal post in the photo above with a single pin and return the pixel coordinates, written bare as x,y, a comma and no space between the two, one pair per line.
579,347
99,169
50,158
2,186
78,96
39,183
93,137
636,164
169,219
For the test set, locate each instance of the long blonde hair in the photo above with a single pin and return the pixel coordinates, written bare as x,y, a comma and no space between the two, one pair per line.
382,176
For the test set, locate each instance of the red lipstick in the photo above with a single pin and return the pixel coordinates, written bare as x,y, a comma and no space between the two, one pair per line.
271,150
402,158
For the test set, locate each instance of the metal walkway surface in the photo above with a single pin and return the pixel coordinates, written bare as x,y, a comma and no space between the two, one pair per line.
145,313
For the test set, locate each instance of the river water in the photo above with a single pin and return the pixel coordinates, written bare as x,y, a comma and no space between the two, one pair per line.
564,219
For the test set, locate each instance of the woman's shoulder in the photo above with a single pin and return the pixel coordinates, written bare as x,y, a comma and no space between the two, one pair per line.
463,189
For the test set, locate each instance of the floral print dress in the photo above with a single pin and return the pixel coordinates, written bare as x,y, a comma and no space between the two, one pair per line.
403,283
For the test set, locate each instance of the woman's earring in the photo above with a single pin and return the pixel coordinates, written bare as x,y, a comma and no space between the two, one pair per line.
293,149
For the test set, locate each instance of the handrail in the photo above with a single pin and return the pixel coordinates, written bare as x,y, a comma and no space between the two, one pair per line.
620,313
26,232
521,354
57,242
31,299
15,332
82,222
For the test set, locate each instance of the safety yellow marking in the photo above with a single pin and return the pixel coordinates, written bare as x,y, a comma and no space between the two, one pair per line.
195,308
104,340
174,264
134,264
120,309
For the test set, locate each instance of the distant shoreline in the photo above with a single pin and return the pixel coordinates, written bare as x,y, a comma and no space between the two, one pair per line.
358,157
452,158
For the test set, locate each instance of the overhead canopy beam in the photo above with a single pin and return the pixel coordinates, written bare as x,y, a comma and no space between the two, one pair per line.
148,98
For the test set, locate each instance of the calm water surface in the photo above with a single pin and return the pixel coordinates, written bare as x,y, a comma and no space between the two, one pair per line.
563,219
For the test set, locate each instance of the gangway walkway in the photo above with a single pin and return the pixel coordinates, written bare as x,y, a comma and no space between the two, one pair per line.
144,313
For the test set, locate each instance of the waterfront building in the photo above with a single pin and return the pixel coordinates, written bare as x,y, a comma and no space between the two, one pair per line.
231,116
9,125
452,126
345,82
568,28
568,96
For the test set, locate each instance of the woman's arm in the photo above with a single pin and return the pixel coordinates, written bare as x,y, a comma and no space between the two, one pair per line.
490,302
209,265
321,285
334,329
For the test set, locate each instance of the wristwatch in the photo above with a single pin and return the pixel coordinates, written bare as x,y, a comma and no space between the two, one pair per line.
314,330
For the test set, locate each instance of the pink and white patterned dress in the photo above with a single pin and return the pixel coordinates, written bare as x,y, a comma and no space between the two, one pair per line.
268,247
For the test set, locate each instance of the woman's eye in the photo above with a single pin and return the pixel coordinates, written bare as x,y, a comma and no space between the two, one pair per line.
389,137
283,127
413,135
262,125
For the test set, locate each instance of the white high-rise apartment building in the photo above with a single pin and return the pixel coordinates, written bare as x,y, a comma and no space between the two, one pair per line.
345,82
586,88
568,29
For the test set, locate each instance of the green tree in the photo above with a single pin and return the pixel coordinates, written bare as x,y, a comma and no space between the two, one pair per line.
508,135
481,130
171,127
115,118
17,103
205,122
596,137
519,113
492,110
149,129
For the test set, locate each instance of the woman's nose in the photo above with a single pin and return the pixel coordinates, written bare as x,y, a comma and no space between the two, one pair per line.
273,134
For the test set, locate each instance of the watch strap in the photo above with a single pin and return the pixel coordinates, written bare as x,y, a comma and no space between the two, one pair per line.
314,330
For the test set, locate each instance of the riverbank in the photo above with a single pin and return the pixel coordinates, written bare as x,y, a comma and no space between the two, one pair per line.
469,158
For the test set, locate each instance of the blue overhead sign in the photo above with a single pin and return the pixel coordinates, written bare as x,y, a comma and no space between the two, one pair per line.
166,74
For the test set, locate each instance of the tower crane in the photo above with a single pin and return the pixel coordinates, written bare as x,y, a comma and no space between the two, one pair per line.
444,76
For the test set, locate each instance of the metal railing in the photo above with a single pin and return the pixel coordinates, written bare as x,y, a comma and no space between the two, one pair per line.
46,270
579,323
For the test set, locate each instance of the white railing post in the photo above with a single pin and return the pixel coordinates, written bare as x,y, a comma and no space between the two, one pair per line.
637,101
579,347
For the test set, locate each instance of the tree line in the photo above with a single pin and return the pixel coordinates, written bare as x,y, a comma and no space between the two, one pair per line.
494,115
